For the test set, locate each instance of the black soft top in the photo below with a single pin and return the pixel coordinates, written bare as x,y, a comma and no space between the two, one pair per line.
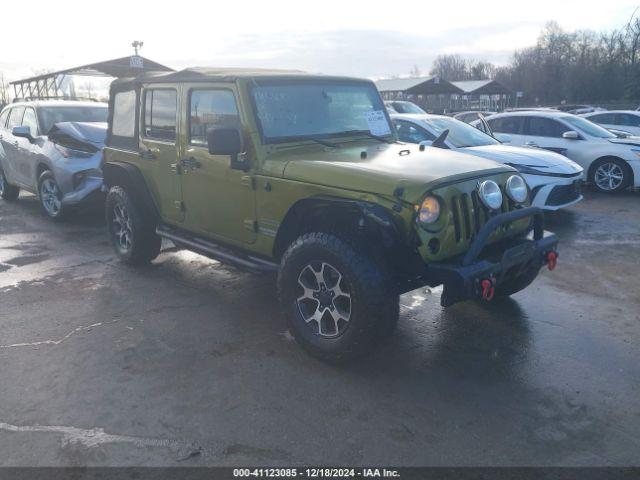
208,74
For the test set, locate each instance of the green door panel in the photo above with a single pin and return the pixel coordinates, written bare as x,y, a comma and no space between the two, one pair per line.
219,202
160,150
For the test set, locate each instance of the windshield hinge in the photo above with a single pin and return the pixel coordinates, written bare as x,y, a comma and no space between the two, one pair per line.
248,181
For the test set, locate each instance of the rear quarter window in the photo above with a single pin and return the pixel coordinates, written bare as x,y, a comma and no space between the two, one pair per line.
124,114
506,125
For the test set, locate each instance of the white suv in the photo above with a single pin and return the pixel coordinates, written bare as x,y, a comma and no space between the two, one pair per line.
612,164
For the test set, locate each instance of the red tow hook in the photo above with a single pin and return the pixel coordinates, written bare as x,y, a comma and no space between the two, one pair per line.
488,286
552,259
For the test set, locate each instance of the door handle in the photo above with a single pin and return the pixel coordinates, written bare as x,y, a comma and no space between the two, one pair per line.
531,144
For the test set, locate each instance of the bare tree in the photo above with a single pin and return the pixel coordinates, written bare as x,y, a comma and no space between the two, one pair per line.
4,90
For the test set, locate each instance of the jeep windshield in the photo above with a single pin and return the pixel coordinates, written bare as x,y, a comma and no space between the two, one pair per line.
311,110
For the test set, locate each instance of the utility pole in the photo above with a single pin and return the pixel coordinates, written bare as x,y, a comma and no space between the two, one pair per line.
137,44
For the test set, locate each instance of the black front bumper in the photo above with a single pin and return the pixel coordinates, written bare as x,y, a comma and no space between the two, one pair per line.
507,259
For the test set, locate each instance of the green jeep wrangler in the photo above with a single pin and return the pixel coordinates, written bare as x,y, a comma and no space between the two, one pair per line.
280,171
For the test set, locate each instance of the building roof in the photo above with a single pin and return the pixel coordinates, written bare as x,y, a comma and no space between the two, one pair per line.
417,85
481,87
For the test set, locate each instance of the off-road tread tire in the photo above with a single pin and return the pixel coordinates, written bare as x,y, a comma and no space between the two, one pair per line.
375,301
146,243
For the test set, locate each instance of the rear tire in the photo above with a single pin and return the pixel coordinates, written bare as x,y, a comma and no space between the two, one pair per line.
338,300
131,228
50,197
610,175
7,192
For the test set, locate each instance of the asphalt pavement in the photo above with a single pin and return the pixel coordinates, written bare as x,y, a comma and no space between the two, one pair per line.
188,362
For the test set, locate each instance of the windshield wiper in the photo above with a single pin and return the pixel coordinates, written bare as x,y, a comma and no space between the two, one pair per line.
323,142
368,134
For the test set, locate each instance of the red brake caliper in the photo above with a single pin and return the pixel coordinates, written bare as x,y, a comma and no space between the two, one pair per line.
552,260
488,286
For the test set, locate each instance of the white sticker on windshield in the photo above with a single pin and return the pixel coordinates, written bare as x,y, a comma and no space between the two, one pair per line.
377,122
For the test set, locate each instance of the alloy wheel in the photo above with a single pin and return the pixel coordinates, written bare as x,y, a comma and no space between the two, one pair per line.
122,227
609,176
325,300
50,197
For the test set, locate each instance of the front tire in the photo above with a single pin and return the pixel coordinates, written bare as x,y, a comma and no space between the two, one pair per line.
50,197
610,175
338,300
131,230
7,192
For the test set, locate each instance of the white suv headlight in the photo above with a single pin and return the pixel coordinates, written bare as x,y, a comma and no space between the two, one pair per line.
490,194
517,189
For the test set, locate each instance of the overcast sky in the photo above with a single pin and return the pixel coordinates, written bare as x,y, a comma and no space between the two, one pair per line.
371,39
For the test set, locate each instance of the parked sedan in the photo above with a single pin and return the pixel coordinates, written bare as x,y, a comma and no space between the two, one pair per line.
554,180
402,106
612,164
619,120
472,115
53,149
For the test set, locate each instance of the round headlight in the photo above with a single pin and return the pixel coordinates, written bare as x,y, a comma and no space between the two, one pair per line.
490,194
429,210
517,189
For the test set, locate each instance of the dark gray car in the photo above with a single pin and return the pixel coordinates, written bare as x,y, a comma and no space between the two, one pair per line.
52,148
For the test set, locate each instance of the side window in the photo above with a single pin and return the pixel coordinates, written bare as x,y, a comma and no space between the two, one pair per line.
3,118
30,120
412,134
209,109
15,117
628,120
545,127
606,118
124,114
506,125
160,109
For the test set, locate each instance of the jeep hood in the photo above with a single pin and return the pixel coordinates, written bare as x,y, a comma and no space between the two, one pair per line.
544,160
383,168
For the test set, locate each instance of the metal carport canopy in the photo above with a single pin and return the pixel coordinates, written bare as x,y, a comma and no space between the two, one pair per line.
50,84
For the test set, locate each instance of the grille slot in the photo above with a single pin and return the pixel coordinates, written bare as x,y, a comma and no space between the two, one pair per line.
464,199
469,215
455,209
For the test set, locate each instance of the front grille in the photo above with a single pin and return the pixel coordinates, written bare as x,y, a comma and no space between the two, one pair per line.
562,194
470,214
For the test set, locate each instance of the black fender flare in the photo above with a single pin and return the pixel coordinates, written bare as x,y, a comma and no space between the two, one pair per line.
130,178
369,215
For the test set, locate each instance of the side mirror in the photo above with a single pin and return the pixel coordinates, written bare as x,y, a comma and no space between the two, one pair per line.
22,131
227,141
501,137
571,135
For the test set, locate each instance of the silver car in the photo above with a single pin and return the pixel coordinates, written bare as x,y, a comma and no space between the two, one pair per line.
52,148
